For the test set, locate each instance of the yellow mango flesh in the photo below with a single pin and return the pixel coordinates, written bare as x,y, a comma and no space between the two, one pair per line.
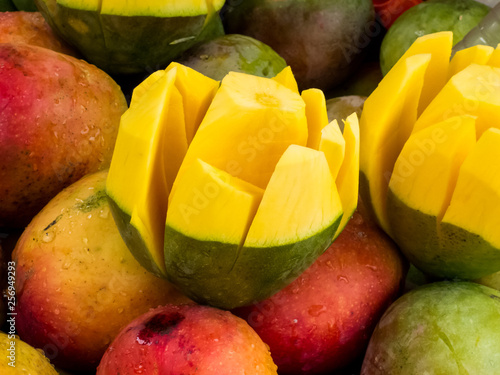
473,91
332,144
475,203
252,121
426,170
439,46
143,197
317,115
212,205
150,147
286,78
434,187
387,119
347,180
300,200
479,54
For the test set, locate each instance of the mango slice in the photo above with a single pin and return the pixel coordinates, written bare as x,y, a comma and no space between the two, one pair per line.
286,78
471,221
316,114
438,45
142,198
155,124
347,180
422,184
207,221
386,122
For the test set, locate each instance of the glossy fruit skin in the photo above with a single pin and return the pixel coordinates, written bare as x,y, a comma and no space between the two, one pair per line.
431,16
77,284
60,118
322,321
233,52
439,328
173,340
322,40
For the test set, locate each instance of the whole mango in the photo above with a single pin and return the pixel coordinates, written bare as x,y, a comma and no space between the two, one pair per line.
60,118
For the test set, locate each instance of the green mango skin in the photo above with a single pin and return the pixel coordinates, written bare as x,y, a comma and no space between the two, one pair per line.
251,275
438,328
451,253
458,16
25,5
127,45
233,52
322,40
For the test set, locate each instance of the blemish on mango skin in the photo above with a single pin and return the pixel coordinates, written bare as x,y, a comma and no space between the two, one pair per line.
159,325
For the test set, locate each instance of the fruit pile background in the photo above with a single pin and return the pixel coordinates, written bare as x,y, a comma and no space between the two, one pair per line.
71,286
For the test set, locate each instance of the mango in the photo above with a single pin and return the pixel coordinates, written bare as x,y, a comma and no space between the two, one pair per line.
31,28
125,37
77,284
172,340
429,157
439,328
233,189
233,52
21,358
60,118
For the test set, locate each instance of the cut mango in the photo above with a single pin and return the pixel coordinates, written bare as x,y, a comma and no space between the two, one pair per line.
429,182
137,180
386,122
150,147
256,196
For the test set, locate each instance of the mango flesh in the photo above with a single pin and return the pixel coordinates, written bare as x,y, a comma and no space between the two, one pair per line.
187,339
430,179
77,284
255,150
439,328
49,98
21,358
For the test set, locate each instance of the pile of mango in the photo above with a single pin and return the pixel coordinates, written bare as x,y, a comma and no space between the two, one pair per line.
249,187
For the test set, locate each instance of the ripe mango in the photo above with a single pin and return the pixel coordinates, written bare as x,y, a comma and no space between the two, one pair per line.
60,118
